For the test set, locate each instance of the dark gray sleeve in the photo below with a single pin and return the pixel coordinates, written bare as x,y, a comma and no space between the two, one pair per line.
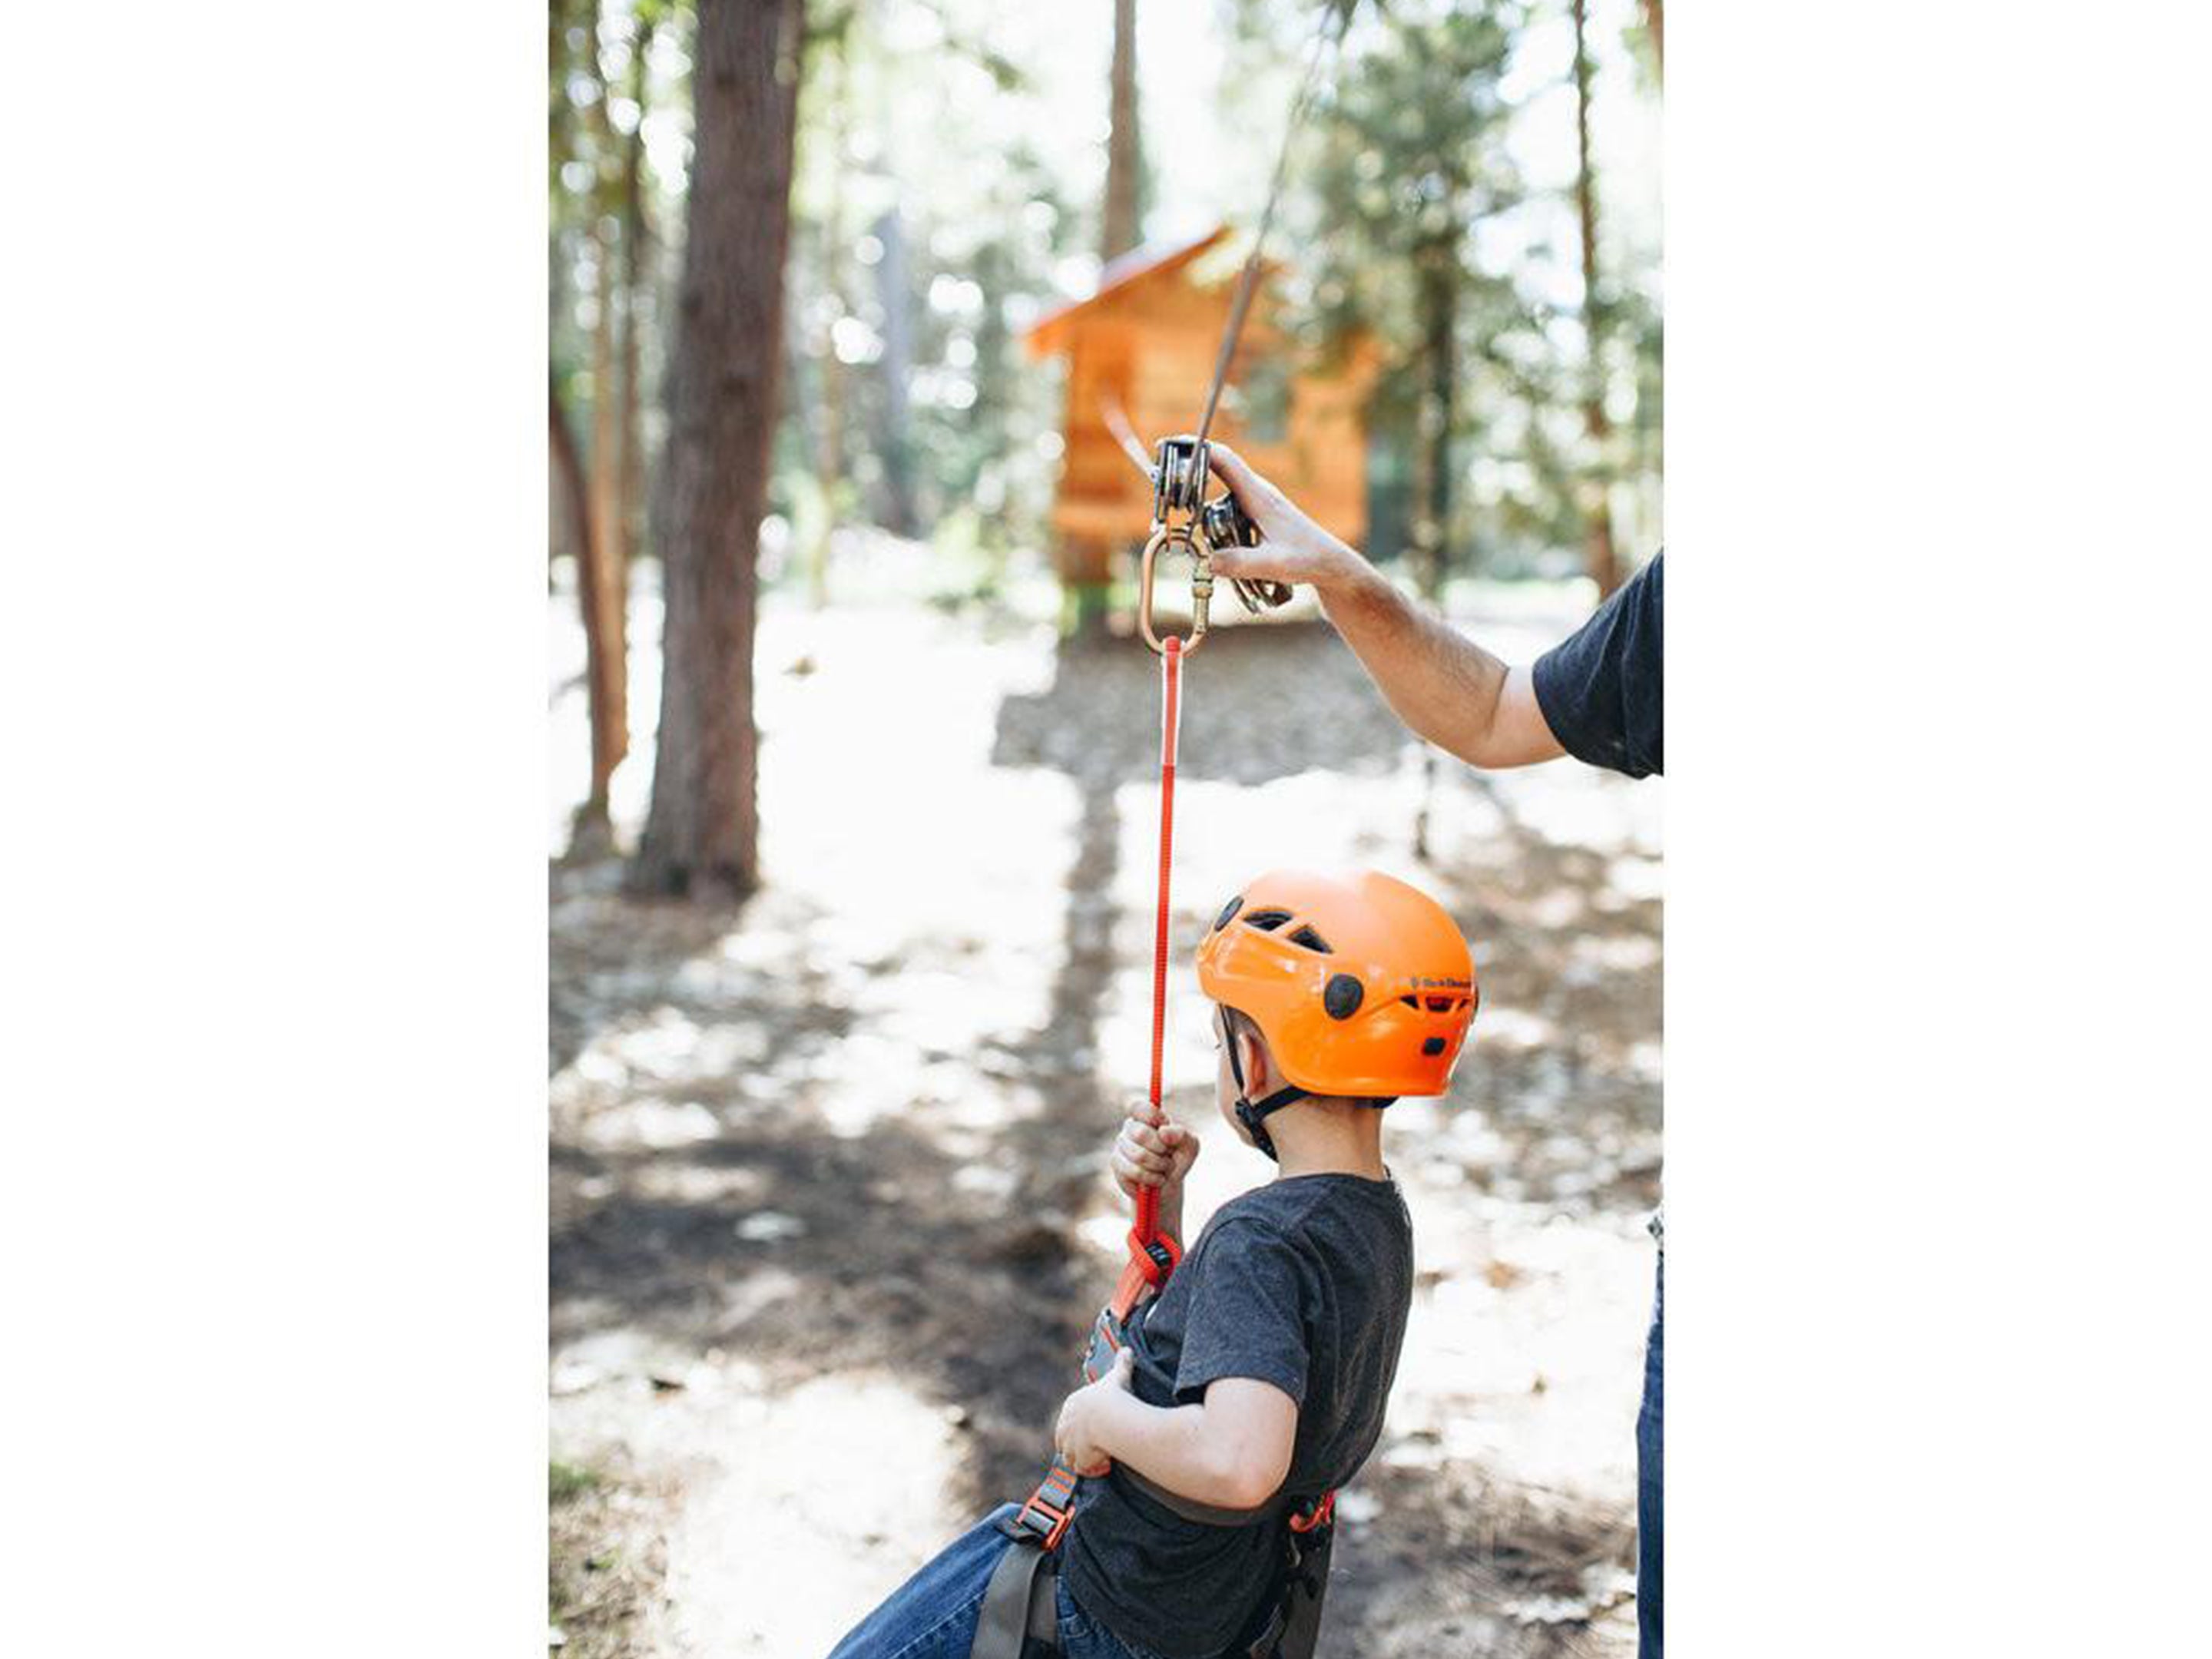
1249,1313
1603,687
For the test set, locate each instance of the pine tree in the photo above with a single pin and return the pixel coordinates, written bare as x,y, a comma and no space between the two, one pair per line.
1411,161
702,832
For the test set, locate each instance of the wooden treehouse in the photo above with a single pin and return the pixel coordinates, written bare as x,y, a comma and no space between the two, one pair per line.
1147,340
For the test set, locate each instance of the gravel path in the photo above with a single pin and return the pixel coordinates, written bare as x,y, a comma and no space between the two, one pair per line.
829,1212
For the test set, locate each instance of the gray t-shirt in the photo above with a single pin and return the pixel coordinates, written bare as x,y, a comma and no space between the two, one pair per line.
1303,1283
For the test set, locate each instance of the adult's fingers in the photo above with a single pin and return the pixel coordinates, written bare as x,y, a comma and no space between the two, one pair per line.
1243,479
1231,468
1269,562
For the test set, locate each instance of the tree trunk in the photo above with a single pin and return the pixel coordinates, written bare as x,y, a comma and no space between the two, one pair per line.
1654,19
602,669
637,278
1600,557
1121,229
606,620
829,442
895,440
609,620
1438,413
829,433
701,836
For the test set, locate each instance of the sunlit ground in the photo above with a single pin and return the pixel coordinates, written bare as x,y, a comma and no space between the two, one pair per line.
812,1156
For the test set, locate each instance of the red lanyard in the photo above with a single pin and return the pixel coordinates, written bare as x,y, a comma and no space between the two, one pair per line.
1148,1198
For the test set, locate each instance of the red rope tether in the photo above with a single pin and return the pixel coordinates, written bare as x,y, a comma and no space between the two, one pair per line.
1148,1198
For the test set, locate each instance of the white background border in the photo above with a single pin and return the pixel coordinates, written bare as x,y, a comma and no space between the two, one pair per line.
274,1211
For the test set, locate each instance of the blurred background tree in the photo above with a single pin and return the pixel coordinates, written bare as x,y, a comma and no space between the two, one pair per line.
1410,167
1477,192
703,834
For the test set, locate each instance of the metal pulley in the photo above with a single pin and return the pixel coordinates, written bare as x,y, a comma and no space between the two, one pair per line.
1179,480
1224,524
1182,517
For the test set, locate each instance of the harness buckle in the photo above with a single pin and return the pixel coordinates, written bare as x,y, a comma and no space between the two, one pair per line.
1323,1512
1043,1521
1156,1257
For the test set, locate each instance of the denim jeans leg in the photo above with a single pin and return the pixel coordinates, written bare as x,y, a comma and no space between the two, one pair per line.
934,1614
1081,1637
1650,1480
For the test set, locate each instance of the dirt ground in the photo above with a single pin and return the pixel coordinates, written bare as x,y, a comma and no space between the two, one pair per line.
828,1205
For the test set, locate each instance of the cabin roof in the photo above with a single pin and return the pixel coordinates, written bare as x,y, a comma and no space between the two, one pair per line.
1049,332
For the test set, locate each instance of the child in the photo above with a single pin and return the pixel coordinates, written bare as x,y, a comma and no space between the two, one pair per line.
1261,1371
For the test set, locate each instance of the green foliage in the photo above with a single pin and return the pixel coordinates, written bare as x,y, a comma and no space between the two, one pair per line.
567,1481
1418,232
1407,221
979,230
1423,204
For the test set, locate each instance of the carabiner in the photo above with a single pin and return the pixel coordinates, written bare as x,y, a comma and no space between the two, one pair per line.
1201,584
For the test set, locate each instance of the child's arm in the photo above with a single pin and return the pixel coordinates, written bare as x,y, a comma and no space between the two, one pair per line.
1232,1449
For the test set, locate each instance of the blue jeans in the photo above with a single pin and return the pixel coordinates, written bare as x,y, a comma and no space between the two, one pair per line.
1651,1478
934,1614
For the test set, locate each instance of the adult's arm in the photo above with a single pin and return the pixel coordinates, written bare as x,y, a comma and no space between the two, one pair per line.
1446,687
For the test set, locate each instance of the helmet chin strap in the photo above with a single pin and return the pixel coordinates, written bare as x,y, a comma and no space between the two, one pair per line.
1251,1114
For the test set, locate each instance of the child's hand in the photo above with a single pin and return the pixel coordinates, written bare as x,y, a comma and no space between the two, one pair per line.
1153,1151
1075,1437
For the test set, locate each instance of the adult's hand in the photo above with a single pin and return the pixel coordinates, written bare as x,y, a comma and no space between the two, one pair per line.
1292,547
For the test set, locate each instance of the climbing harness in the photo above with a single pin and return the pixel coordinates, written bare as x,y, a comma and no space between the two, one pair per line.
1018,1616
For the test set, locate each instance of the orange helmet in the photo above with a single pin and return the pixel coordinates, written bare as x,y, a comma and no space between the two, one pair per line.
1361,985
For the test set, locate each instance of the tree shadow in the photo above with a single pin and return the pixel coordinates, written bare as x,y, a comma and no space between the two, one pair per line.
1260,702
596,972
1458,1562
884,1255
1556,939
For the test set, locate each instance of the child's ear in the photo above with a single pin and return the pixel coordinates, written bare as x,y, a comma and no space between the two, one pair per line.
1259,1073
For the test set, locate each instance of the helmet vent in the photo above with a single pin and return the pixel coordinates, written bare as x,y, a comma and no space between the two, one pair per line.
1311,940
1266,920
1228,912
1433,1047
